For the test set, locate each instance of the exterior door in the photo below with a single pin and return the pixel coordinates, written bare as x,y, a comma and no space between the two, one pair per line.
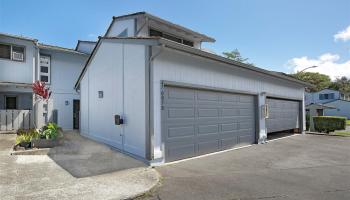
283,115
76,111
196,122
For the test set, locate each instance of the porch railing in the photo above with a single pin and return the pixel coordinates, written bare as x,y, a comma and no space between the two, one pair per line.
12,120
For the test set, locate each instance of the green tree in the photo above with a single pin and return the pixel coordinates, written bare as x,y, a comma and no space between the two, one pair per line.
236,56
342,84
320,81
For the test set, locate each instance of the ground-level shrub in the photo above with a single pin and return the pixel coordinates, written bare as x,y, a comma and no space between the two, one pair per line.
329,123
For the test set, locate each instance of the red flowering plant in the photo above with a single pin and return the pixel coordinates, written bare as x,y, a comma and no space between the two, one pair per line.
41,90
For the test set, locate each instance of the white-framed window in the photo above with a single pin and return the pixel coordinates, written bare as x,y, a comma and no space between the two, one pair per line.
12,52
45,68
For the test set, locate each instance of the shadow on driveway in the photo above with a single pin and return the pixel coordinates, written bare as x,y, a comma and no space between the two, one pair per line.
82,157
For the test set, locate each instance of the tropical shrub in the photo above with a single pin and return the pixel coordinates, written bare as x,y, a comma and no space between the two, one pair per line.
26,136
329,123
50,131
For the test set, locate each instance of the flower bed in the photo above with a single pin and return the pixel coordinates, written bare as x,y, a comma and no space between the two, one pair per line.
45,137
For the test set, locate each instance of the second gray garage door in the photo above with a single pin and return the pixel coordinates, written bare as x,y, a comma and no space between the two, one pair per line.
196,122
283,115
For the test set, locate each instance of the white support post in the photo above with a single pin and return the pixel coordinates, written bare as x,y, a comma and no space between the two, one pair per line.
262,121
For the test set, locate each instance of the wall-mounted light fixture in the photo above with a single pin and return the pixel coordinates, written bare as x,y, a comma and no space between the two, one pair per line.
100,94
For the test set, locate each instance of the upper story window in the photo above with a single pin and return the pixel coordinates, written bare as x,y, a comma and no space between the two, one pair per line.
156,33
45,68
326,96
12,52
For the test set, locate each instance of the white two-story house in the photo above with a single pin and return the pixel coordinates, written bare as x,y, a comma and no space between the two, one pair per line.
329,97
24,60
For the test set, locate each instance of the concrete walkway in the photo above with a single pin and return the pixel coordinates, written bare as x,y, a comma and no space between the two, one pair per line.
80,169
300,167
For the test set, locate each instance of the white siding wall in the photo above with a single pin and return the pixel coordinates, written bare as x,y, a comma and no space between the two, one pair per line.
119,26
65,70
119,71
183,68
14,71
342,109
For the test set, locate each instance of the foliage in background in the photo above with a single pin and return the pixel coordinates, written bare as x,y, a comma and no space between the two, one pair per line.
342,84
307,117
329,123
236,56
320,81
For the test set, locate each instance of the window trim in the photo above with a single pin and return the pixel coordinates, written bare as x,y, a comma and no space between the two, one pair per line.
49,69
11,51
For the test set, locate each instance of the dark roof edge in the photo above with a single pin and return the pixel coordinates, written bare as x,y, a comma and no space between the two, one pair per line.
58,48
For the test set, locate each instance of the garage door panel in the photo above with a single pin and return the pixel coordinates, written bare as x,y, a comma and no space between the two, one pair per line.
181,131
229,143
208,147
283,115
220,121
181,151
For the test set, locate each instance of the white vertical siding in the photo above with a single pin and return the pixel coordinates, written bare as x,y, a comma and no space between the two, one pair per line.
119,26
14,71
134,99
119,71
65,70
179,67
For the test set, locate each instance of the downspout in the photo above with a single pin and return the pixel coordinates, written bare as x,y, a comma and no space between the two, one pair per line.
151,103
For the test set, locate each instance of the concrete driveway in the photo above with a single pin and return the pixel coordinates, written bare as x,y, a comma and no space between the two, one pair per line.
307,167
78,169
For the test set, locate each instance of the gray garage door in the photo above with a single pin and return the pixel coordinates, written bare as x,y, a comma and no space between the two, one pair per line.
196,122
283,115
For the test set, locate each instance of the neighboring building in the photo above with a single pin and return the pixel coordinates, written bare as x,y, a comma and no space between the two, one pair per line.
330,97
324,96
149,90
23,61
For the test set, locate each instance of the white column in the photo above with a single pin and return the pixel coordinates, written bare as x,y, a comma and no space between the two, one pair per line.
262,122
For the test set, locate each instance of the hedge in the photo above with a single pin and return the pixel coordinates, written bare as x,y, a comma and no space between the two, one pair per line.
329,123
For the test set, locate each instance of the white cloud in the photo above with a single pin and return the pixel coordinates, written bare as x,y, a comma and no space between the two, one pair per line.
343,35
327,64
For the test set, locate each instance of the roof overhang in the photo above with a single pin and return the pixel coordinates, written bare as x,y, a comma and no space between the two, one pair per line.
83,41
16,84
203,37
61,49
157,41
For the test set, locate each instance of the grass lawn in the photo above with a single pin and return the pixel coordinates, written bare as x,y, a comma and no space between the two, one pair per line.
342,133
348,122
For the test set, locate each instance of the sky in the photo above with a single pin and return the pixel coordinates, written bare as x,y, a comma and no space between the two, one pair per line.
278,35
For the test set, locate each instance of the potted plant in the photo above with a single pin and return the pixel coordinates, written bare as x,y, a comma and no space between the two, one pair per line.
47,136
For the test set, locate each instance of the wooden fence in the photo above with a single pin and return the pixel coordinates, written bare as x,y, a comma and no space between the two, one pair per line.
12,120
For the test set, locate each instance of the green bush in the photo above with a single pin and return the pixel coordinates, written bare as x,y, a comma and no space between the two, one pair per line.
26,135
50,131
329,123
